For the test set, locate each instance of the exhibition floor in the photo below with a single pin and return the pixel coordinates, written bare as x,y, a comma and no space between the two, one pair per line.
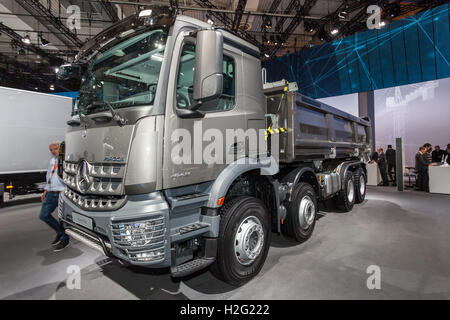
405,234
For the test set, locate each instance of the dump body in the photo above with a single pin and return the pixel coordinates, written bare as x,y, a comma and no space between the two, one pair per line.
312,130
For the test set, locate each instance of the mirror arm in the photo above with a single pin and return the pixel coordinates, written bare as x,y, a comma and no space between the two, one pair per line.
196,106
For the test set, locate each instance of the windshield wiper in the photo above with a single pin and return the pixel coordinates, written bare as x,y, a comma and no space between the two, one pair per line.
116,117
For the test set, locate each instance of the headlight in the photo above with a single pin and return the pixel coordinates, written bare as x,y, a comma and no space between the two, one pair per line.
138,233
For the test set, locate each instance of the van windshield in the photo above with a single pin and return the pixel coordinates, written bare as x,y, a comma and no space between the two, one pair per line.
124,75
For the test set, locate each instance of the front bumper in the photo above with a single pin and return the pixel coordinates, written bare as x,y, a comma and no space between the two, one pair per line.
109,229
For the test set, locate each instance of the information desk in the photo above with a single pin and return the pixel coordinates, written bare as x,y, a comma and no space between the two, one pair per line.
439,179
373,174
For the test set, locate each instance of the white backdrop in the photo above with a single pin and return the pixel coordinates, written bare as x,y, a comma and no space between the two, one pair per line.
418,113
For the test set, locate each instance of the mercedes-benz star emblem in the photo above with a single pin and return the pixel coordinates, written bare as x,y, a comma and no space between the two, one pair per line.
82,179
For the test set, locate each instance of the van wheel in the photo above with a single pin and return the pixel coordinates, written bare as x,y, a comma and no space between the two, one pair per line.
301,213
360,185
346,197
244,239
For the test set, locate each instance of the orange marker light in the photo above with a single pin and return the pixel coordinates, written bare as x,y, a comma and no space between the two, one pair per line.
220,201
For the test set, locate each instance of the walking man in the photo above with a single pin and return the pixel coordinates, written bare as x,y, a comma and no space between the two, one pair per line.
50,199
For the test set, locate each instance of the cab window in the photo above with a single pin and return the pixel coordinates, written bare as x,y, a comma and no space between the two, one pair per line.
185,83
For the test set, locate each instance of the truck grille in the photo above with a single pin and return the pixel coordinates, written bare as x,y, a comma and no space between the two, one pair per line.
104,190
106,179
93,202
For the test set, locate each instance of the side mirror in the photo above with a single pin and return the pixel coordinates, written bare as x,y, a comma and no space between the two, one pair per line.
70,71
208,74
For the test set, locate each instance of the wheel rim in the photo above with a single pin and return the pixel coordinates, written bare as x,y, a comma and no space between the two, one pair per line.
249,240
306,212
350,190
362,185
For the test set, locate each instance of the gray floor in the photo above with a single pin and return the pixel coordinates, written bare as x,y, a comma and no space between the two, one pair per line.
406,234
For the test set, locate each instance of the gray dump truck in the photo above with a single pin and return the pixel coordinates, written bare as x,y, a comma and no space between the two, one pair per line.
158,76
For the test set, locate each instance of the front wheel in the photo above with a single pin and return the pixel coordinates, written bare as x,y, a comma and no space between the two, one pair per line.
244,239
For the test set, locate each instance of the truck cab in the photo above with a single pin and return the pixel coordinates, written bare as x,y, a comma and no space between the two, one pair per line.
157,167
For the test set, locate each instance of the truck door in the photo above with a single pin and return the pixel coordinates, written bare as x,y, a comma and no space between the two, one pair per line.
222,113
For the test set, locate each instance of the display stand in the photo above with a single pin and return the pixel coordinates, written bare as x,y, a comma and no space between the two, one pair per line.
373,174
439,179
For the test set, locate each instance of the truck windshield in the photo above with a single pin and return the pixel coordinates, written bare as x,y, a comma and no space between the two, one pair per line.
125,75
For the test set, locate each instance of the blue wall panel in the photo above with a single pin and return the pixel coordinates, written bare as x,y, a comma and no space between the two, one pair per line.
411,50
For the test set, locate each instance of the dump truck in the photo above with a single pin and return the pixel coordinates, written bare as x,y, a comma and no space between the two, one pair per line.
29,122
154,179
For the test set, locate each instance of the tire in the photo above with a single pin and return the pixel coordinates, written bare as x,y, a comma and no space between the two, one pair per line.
244,220
360,185
301,213
346,197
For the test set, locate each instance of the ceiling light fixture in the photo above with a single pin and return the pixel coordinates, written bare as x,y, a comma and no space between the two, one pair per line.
267,23
26,39
209,18
44,41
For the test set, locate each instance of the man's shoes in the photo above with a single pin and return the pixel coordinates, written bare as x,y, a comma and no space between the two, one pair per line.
57,240
61,245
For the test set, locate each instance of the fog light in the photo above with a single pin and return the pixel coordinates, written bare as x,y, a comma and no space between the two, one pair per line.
143,256
137,234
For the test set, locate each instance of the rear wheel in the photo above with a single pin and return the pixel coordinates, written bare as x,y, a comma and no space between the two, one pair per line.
360,185
244,239
346,197
301,213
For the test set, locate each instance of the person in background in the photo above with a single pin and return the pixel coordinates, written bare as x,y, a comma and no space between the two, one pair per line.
421,163
446,157
428,149
50,199
437,154
374,157
382,164
390,157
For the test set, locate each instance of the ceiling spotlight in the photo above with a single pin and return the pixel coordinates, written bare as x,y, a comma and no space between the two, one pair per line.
209,18
56,69
278,39
342,14
272,39
44,41
382,24
395,9
52,87
26,39
267,23
309,26
266,55
334,31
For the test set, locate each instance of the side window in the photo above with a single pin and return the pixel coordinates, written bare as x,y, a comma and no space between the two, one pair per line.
185,83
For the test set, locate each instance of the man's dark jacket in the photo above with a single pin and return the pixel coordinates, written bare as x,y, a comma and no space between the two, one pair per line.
421,161
390,156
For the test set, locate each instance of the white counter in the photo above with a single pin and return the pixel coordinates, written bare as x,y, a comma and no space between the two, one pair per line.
439,179
373,174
